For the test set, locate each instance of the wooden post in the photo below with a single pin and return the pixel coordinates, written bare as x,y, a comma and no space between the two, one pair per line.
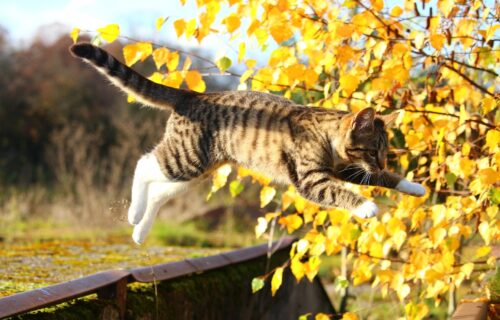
117,292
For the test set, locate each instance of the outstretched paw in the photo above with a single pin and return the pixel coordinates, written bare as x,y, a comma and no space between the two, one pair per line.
411,188
367,209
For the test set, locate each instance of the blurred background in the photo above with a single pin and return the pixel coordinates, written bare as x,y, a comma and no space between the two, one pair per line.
69,141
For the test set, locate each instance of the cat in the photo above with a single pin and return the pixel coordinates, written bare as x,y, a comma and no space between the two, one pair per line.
314,149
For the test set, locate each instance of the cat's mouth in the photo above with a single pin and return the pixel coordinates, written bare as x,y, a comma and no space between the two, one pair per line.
371,169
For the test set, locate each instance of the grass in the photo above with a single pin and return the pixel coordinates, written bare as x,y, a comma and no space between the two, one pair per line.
493,287
192,234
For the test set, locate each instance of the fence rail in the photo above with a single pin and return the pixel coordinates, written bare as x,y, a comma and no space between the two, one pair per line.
113,284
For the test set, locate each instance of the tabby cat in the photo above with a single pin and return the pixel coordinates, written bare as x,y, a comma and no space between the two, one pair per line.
314,149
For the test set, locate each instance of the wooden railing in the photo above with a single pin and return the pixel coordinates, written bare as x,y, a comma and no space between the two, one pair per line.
113,284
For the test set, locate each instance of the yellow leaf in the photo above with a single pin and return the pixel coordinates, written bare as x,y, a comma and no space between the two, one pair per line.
160,57
74,34
493,140
396,11
287,198
261,227
321,316
173,61
484,231
220,175
173,79
297,268
180,27
137,51
399,238
281,32
187,64
349,316
190,28
403,291
130,98
345,31
195,81
377,4
381,84
241,51
437,235
276,280
292,222
109,32
156,77
250,63
445,6
272,215
266,195
320,218
302,247
467,269
492,211
349,83
437,41
489,176
489,104
419,39
416,311
232,22
466,167
312,267
261,35
379,49
159,22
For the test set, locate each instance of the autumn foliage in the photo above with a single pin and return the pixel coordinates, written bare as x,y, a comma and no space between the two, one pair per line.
436,62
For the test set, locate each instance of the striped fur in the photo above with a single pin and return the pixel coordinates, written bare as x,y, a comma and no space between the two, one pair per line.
314,149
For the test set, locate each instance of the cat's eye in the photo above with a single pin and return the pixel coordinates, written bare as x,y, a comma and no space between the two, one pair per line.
372,153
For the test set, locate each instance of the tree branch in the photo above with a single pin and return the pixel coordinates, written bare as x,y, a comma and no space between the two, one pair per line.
469,80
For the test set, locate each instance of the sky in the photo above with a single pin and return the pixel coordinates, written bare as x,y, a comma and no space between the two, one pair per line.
136,18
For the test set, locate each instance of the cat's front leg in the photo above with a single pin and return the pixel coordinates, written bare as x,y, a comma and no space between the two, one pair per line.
321,187
393,181
367,209
410,188
383,178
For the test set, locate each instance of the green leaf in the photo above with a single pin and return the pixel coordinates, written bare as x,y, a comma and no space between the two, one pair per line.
451,178
224,63
257,284
495,196
235,187
96,41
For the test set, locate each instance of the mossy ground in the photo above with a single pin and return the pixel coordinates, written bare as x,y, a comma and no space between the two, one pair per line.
35,264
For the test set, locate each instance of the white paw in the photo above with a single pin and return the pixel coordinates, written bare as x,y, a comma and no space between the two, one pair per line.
411,188
367,209
135,215
140,232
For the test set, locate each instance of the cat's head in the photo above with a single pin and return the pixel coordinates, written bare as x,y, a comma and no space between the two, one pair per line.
365,141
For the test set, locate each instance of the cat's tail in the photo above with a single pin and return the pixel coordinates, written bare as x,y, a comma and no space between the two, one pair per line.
142,89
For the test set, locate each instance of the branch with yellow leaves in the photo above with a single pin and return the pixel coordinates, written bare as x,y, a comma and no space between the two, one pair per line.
400,37
396,260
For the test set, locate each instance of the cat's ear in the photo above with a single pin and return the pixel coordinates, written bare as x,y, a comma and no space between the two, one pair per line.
363,120
390,119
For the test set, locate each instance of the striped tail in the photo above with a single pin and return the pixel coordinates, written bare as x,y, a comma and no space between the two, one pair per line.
142,89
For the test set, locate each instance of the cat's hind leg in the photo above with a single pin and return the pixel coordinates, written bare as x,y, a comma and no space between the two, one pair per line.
158,193
147,171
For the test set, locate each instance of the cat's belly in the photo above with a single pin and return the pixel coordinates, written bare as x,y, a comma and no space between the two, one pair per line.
275,172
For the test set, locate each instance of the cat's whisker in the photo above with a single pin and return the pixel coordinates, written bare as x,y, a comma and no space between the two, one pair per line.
355,174
350,166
